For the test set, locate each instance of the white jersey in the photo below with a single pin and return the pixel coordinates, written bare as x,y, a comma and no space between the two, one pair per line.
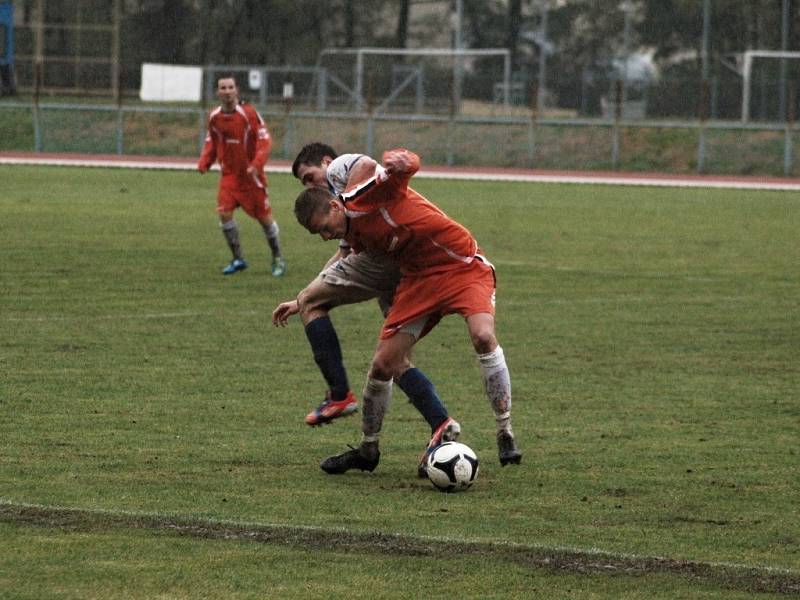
358,276
339,170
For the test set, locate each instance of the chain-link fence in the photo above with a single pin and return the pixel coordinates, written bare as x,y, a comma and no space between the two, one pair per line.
511,142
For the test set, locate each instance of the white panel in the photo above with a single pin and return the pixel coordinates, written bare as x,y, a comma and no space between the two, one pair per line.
171,83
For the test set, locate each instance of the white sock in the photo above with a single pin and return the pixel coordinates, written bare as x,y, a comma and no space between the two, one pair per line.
231,232
376,397
497,381
272,231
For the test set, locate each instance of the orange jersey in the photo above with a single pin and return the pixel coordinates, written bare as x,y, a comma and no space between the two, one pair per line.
386,216
237,140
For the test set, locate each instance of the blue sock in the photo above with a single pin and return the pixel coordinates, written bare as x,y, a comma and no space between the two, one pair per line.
423,396
328,355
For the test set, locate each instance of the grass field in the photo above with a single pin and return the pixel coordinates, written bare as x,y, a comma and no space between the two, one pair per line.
152,442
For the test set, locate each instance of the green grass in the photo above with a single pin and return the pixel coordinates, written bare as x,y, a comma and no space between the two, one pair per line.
136,563
652,335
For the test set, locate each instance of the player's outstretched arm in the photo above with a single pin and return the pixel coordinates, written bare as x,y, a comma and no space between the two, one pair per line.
282,312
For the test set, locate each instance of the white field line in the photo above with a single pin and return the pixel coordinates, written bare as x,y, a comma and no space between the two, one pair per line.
593,552
588,178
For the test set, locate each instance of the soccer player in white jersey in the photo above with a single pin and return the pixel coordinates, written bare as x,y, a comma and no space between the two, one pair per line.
348,278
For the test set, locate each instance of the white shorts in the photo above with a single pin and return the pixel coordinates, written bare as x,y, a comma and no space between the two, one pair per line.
363,276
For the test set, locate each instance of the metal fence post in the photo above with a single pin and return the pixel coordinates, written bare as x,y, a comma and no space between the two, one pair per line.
615,127
788,131
120,131
37,128
454,102
369,106
202,120
533,125
703,110
287,138
370,141
37,131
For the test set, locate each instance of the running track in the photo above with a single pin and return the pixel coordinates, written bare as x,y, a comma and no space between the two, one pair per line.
487,174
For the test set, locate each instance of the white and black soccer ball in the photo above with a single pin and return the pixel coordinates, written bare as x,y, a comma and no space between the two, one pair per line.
452,467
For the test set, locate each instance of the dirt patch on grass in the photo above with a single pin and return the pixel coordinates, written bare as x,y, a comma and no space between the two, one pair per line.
716,575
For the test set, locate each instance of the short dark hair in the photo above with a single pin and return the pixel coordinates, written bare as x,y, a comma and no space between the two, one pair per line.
310,202
312,154
226,75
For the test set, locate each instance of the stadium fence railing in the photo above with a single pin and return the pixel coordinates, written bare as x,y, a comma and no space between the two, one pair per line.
613,142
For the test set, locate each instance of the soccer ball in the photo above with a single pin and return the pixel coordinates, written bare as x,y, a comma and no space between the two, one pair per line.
452,467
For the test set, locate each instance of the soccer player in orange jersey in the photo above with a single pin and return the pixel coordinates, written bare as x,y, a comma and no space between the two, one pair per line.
443,272
348,278
239,140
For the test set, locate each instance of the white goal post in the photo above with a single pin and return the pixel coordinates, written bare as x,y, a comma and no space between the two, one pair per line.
747,67
360,53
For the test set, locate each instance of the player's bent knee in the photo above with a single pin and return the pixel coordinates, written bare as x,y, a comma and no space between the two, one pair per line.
385,368
483,341
481,332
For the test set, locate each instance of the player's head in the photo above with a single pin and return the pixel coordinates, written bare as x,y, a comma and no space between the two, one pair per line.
227,90
311,164
321,213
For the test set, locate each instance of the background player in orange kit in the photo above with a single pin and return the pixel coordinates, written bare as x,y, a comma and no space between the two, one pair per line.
238,138
443,272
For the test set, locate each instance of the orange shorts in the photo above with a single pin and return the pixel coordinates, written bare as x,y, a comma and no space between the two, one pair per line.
248,194
466,291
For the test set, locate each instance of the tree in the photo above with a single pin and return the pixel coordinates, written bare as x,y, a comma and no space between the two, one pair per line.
349,24
402,24
207,11
157,31
513,24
